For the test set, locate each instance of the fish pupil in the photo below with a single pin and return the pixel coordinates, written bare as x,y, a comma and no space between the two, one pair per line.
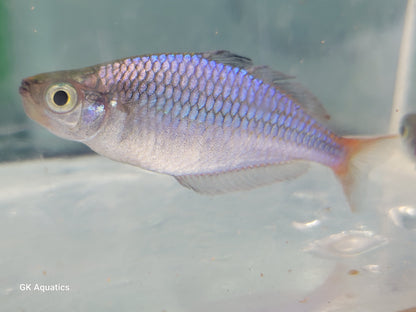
60,98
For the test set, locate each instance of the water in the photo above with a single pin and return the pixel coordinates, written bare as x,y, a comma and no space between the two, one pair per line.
118,238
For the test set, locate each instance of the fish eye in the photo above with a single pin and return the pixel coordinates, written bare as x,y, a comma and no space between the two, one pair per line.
403,131
61,97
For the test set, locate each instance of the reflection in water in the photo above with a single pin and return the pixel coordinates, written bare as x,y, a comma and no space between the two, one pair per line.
403,216
306,225
346,244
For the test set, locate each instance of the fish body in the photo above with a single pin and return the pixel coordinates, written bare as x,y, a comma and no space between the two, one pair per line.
213,120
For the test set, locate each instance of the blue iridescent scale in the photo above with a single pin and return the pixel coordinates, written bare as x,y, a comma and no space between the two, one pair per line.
191,87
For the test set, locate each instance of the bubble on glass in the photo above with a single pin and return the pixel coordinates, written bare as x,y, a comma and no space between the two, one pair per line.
346,244
372,268
404,217
306,225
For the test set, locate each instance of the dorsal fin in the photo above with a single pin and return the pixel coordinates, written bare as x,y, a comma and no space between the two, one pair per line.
305,98
267,74
295,90
228,58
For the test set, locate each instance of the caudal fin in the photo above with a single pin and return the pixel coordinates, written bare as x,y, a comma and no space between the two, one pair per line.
362,155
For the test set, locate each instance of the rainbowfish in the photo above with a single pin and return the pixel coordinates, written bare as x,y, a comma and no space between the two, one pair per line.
213,120
408,134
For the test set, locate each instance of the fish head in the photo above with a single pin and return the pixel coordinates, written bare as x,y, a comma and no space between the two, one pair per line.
67,103
408,134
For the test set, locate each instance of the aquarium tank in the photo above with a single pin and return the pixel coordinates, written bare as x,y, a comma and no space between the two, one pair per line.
80,232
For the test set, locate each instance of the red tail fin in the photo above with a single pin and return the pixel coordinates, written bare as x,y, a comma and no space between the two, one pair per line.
362,155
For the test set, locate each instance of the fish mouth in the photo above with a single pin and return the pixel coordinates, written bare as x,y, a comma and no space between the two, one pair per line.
24,88
29,105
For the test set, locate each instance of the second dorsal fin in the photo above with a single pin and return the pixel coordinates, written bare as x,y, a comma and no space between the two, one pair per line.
267,74
279,80
304,98
293,89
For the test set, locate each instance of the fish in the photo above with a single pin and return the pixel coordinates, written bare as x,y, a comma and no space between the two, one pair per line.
212,120
408,134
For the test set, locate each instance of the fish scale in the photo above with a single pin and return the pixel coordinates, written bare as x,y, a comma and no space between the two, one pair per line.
184,75
212,120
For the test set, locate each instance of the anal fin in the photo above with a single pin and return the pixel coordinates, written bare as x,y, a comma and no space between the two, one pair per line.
243,179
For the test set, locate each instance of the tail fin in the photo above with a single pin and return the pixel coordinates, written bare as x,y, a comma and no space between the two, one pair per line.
362,155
